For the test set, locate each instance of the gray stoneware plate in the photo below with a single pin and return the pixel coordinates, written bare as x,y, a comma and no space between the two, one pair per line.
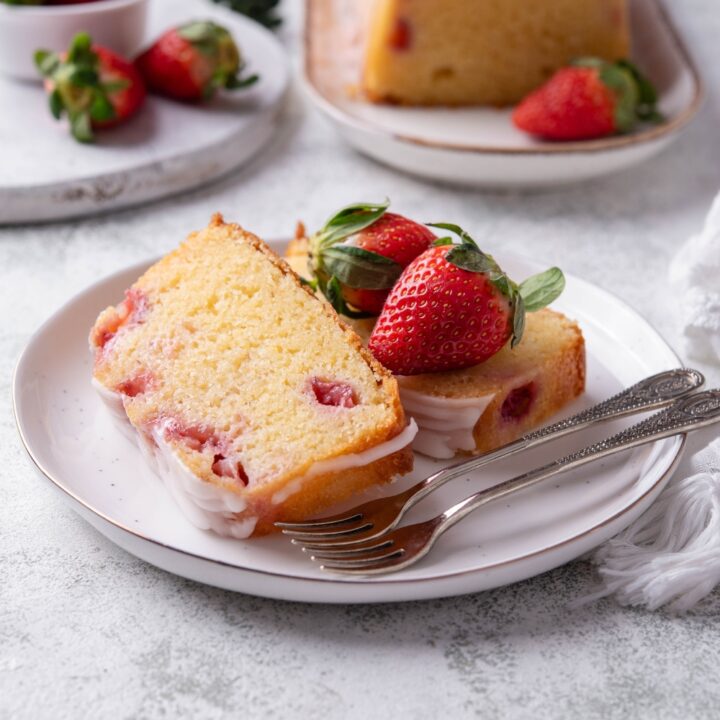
167,148
72,442
479,146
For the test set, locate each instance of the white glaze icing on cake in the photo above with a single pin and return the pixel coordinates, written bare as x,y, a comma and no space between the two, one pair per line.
210,507
345,462
445,425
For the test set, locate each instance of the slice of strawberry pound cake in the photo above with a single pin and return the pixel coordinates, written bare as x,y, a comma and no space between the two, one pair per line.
479,359
248,396
480,408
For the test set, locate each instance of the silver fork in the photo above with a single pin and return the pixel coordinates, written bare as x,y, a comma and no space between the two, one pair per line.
377,517
406,545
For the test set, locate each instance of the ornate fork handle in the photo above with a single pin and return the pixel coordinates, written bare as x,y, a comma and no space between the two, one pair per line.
648,394
651,393
684,415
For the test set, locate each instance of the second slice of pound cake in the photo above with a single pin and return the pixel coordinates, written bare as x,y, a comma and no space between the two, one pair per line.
480,408
252,401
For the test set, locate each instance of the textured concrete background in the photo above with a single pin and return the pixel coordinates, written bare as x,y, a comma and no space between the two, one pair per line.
87,631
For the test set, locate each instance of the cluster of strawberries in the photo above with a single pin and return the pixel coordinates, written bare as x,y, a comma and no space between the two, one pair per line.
441,304
96,88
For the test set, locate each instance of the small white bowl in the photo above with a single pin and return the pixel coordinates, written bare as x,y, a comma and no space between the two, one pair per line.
116,24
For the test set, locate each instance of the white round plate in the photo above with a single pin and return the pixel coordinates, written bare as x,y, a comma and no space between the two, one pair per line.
73,443
167,148
479,145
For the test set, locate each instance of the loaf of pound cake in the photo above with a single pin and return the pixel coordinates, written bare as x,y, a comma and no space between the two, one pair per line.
480,408
253,402
483,52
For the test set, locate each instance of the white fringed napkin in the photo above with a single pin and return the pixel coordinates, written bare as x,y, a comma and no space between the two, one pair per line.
670,556
695,278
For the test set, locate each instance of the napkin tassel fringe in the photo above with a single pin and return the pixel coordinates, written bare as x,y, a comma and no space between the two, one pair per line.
671,554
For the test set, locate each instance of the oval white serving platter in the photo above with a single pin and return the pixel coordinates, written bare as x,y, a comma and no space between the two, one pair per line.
479,146
74,444
169,147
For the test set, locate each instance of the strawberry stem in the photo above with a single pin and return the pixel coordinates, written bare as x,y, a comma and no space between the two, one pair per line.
332,263
538,291
76,86
333,292
350,220
360,268
217,43
80,127
636,97
457,230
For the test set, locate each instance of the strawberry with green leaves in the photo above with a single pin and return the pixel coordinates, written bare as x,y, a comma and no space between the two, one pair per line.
589,99
359,254
191,62
454,307
92,85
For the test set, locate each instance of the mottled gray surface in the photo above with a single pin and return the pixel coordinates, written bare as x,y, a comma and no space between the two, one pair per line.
89,631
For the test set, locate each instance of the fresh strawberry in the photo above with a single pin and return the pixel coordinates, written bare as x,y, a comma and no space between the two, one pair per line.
589,99
93,85
191,62
359,254
454,307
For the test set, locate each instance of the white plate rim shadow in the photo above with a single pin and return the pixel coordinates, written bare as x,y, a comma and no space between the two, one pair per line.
309,584
518,163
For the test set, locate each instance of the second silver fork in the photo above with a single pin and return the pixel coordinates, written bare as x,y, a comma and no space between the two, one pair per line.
375,518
